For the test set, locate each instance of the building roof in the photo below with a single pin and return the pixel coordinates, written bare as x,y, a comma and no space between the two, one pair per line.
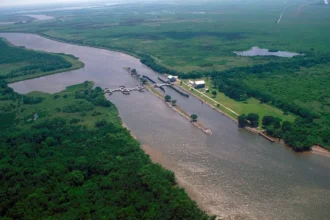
200,82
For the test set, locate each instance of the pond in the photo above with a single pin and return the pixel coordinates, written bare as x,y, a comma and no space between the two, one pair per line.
256,51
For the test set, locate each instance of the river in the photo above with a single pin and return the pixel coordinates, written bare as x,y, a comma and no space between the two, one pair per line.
232,173
40,17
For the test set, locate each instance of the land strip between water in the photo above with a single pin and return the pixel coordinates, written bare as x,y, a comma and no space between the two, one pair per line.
23,64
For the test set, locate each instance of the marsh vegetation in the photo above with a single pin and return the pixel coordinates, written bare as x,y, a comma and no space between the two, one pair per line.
18,64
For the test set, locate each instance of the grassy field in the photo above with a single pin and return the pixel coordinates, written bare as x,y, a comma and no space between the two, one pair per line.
52,106
306,87
6,68
250,106
198,37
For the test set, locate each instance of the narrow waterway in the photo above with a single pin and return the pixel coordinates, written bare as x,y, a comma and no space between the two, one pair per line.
231,173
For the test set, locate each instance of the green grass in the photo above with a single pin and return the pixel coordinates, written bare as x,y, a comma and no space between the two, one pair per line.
308,87
76,64
250,106
6,68
53,104
187,41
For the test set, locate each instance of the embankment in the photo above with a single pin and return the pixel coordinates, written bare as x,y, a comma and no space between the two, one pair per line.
175,88
180,111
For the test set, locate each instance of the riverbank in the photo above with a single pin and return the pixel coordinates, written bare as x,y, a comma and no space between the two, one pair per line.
179,110
175,107
76,64
209,104
158,157
319,150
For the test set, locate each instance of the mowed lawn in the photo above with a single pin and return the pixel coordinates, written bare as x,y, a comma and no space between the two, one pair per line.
250,106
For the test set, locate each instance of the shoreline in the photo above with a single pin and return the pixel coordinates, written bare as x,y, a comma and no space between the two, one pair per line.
78,65
253,130
180,111
175,108
48,74
158,158
207,103
319,150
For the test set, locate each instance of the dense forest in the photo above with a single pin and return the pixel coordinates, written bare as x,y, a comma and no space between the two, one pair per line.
18,62
79,163
295,134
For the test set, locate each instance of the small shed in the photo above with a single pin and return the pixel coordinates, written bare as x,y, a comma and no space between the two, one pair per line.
172,78
199,84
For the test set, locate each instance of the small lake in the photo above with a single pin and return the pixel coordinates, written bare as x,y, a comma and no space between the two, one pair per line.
256,51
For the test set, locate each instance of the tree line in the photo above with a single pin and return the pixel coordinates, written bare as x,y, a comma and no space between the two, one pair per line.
295,135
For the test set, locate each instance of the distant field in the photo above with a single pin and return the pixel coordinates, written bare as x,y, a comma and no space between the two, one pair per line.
195,38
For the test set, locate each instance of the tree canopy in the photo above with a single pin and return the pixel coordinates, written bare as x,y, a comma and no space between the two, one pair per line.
68,166
34,62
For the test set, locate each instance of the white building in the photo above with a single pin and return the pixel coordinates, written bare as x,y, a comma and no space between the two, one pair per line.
199,84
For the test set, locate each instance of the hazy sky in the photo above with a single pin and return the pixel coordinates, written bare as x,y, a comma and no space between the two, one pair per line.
26,2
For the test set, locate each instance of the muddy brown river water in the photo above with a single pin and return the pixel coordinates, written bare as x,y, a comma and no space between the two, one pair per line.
233,173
